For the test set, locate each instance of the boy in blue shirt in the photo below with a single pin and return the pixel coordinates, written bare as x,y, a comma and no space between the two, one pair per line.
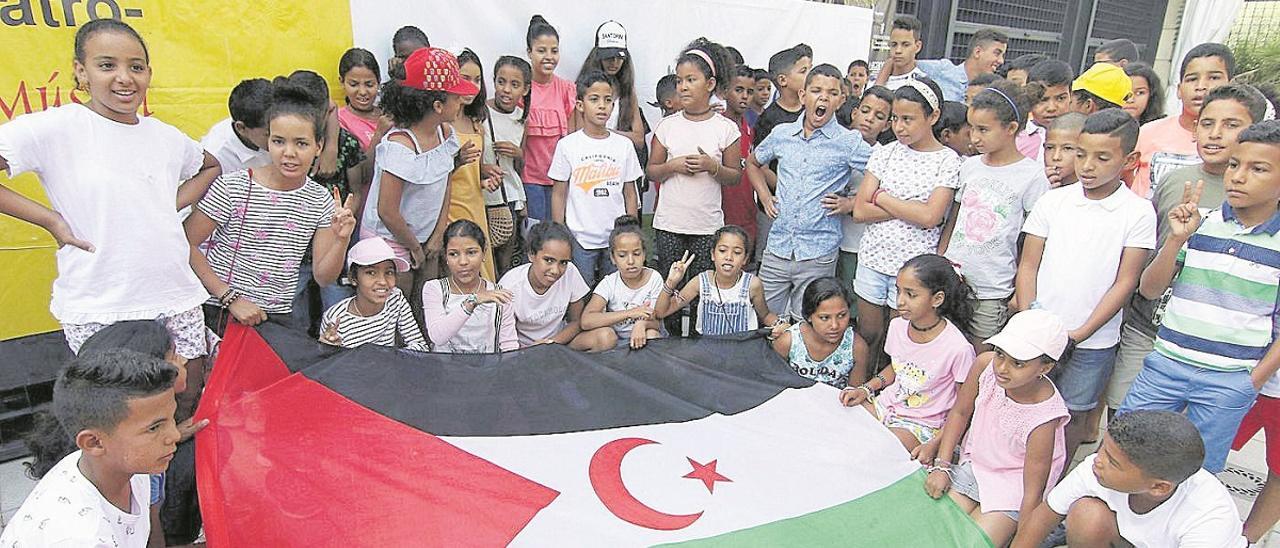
816,158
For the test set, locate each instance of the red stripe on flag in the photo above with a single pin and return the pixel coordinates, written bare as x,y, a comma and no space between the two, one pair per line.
245,363
296,464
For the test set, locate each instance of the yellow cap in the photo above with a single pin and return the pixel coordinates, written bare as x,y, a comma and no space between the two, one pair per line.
1106,81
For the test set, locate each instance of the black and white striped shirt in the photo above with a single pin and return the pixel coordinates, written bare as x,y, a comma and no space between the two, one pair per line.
382,328
262,235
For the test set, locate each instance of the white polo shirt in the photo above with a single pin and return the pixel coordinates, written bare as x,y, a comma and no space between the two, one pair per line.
1083,242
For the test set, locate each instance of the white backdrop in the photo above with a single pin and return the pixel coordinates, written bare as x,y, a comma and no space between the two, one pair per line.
656,30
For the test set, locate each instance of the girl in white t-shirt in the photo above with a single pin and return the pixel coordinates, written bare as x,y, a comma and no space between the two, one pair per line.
465,313
260,222
694,153
504,136
115,181
732,300
548,294
997,189
621,309
903,200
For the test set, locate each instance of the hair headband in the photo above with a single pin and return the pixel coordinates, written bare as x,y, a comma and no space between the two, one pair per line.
929,96
1271,112
1017,117
703,55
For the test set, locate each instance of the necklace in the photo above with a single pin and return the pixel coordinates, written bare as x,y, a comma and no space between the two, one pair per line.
925,329
716,284
355,303
461,291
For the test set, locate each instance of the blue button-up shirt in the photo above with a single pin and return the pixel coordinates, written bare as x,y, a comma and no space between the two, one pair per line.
808,169
950,77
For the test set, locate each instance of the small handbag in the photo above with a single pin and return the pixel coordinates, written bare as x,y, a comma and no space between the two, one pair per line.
501,218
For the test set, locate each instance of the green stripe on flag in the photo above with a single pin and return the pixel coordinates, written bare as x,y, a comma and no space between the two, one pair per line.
901,514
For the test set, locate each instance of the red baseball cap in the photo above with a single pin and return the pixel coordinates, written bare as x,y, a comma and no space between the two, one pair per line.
434,69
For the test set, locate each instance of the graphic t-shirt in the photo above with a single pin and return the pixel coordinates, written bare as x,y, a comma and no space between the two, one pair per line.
540,317
619,297
993,203
925,375
65,509
595,170
262,234
1163,146
898,80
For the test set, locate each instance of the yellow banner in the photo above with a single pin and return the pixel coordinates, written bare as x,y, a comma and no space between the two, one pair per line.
199,51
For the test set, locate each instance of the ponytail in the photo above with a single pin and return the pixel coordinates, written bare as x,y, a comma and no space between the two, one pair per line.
539,27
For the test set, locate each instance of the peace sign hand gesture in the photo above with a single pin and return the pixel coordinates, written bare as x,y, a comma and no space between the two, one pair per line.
676,273
1185,218
344,221
330,335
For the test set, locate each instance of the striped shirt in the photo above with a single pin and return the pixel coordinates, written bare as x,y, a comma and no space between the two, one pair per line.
261,236
1222,312
391,324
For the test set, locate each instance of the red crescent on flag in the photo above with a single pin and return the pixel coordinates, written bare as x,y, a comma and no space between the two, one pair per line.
605,472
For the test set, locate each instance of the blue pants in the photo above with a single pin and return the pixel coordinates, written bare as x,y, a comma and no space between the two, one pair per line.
1214,401
593,264
538,201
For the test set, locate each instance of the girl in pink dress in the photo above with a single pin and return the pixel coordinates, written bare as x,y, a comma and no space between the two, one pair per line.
1015,419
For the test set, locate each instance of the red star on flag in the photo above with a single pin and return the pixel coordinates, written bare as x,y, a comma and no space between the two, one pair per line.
706,473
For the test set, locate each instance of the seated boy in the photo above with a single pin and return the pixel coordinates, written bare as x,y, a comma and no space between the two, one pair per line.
118,404
1216,345
1083,254
1168,143
1102,86
1227,111
1060,149
816,157
1050,84
595,172
240,142
986,54
1119,52
1143,488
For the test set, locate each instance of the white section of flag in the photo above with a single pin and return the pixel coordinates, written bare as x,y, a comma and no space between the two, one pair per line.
794,454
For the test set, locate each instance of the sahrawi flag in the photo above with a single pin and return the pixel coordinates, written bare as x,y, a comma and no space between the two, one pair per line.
709,442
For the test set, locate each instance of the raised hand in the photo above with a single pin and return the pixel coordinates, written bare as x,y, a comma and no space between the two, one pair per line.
344,221
675,274
1184,219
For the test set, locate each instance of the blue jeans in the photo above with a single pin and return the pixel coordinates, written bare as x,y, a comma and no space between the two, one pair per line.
538,201
593,264
1214,401
1083,376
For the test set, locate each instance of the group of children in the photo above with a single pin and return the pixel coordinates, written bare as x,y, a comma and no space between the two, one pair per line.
981,255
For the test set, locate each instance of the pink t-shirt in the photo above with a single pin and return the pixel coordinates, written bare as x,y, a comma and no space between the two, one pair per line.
1030,142
551,105
691,204
925,375
363,129
997,442
1163,146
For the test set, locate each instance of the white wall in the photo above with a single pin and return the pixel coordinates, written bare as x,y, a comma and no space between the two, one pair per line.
656,29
